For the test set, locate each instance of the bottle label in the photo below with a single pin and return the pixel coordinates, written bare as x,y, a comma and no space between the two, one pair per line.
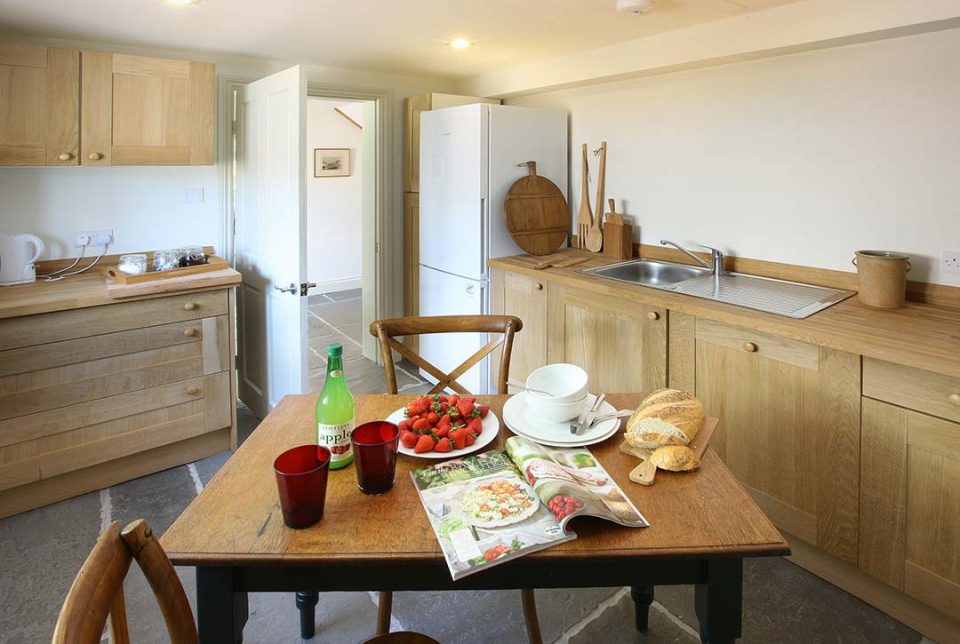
336,373
336,438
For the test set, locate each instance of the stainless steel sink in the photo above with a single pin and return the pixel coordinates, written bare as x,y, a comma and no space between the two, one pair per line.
647,272
781,297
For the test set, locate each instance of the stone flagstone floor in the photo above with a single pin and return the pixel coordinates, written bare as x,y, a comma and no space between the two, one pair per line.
41,550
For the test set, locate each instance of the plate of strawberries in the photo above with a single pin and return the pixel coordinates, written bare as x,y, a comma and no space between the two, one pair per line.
444,426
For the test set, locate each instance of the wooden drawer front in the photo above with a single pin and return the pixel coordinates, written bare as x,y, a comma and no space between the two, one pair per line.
71,438
924,391
794,352
56,354
81,323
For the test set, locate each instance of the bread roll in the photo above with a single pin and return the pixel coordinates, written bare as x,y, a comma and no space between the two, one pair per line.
676,458
665,417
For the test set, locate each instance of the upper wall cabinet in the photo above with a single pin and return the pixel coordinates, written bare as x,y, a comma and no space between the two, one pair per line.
39,105
146,111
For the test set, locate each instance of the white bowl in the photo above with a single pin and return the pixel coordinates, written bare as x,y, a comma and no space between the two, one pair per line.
556,412
565,383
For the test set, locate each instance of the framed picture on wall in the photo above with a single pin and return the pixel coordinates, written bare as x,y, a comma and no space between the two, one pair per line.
331,162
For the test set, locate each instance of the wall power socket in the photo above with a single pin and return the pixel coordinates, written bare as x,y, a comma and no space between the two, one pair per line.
950,261
92,238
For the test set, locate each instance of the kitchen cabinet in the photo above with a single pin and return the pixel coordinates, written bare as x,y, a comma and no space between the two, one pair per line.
790,428
39,105
910,483
146,111
411,261
621,344
526,298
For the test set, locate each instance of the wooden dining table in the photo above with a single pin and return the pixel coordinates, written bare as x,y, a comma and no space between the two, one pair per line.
702,525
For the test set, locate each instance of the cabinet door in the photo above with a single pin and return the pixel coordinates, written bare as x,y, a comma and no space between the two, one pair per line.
146,111
910,503
789,428
413,106
411,261
526,298
39,105
621,344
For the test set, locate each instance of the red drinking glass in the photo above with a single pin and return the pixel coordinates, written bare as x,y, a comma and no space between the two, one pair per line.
302,484
375,455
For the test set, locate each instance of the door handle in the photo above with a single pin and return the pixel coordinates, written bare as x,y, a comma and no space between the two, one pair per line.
289,289
306,286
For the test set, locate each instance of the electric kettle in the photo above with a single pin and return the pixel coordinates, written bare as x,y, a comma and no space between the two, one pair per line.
18,252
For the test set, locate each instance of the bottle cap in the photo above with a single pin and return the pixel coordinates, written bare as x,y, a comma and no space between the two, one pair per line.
334,350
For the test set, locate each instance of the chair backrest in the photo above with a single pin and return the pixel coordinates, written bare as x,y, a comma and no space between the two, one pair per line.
386,331
97,591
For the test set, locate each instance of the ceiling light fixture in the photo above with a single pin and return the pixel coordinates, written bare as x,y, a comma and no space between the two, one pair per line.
636,7
182,2
460,43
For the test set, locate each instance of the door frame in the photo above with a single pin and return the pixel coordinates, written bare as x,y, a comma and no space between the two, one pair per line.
379,222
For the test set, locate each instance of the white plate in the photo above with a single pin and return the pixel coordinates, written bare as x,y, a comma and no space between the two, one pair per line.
520,420
491,427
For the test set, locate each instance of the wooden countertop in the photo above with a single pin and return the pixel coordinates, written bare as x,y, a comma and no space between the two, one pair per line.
919,335
87,289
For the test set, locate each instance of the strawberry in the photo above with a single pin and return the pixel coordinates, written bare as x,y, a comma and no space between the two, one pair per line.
424,404
459,437
475,425
443,398
433,418
470,399
443,445
405,425
453,399
424,444
441,432
444,406
484,410
408,439
421,424
412,409
464,407
471,439
444,422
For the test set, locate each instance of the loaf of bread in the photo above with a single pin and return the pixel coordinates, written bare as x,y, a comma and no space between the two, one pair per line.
676,458
665,417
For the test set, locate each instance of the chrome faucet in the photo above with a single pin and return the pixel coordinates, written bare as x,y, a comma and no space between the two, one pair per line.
716,270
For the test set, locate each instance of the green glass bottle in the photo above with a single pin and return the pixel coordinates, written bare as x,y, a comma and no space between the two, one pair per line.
335,413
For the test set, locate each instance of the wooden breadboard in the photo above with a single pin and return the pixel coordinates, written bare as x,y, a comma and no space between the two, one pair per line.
645,473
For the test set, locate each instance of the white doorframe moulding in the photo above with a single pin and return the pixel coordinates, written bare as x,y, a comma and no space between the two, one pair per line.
789,28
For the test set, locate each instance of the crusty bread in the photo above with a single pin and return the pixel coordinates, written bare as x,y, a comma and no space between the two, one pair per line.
676,458
665,417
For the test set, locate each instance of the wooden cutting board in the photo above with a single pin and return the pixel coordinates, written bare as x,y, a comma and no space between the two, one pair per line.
645,472
536,214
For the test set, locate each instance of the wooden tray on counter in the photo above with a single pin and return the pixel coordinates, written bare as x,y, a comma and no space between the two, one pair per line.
111,271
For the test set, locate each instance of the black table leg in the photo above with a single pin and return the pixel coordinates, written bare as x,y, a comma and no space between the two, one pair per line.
221,612
306,602
719,602
642,598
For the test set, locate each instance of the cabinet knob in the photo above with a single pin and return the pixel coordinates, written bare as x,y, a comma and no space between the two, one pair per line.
750,347
193,391
653,315
538,286
190,332
94,156
66,156
189,306
954,399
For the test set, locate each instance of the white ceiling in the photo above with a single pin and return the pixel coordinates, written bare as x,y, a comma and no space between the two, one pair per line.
400,36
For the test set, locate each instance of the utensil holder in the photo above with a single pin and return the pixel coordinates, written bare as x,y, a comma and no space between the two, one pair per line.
883,278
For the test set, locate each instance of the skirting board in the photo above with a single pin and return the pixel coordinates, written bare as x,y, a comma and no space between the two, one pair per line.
334,286
891,601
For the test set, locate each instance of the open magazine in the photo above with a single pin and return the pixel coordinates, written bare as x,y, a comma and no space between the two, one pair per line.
499,505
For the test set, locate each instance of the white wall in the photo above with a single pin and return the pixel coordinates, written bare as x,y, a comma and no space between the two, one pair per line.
801,159
334,231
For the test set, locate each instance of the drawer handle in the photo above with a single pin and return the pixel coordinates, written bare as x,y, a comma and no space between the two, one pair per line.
653,315
94,156
66,156
190,332
749,347
954,399
193,391
189,306
538,286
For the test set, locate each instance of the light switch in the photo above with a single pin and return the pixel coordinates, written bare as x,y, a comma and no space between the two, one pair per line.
193,195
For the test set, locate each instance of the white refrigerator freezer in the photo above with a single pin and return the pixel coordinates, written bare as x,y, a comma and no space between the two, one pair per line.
470,155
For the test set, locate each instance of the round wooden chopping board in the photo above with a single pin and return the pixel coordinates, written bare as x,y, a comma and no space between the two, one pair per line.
536,214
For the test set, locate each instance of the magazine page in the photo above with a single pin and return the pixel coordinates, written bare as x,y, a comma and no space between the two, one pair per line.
483,512
571,482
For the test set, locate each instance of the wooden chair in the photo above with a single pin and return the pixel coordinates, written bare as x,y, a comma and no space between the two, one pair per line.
97,591
386,331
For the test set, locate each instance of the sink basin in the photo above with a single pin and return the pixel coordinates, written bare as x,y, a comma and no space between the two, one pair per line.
647,272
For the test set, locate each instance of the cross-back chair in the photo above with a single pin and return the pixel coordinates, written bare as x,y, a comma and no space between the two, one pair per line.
97,591
386,331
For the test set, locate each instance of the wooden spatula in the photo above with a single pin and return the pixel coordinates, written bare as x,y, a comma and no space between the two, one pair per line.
585,215
595,236
645,472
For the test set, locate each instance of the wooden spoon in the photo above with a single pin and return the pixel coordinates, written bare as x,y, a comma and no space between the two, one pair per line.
595,237
585,215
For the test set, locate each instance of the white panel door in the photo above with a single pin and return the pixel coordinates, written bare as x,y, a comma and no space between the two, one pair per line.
270,245
453,179
444,294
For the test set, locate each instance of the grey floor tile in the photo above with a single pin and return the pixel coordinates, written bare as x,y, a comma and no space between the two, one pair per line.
340,617
615,625
317,298
247,421
211,465
40,554
157,498
498,615
322,335
353,330
342,296
339,313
